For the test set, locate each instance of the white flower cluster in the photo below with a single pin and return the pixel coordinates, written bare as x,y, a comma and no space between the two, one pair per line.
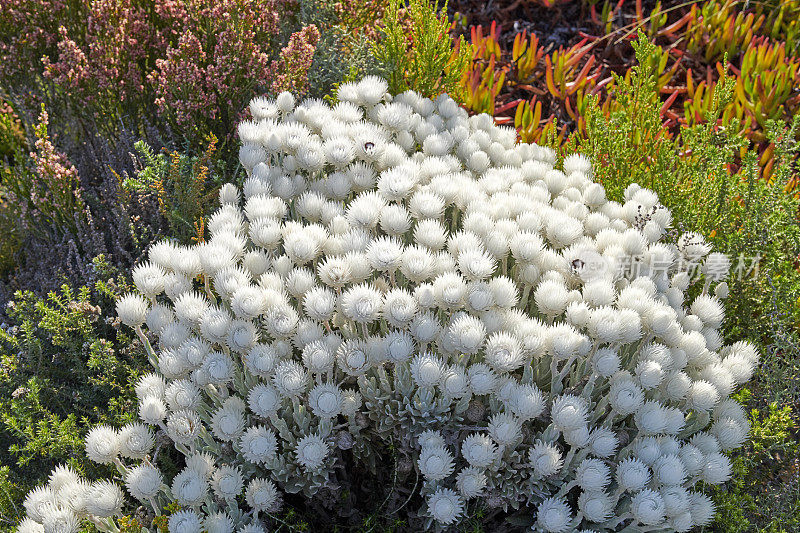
399,271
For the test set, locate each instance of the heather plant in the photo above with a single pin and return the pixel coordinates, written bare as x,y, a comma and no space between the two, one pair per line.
403,287
12,136
295,61
40,190
196,63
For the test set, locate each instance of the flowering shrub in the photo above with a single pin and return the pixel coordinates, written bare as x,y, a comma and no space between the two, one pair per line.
398,272
45,193
198,62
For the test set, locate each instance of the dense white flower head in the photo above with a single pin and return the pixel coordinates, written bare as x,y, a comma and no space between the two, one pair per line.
445,506
144,481
397,275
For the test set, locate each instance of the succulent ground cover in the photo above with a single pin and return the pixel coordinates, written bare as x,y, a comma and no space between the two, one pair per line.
118,128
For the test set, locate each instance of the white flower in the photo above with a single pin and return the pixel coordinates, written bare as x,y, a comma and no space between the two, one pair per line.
149,279
647,507
262,495
144,481
218,522
104,499
102,444
290,378
325,400
701,508
351,402
545,459
311,452
592,475
554,515
182,394
569,412
470,482
603,442
59,520
503,352
190,307
352,357
435,462
185,521
632,474
445,506
361,304
399,346
731,433
702,396
132,310
227,482
625,396
427,370
669,470
37,500
258,444
595,506
261,360
135,441
61,476
482,380
158,317
228,421
152,410
467,334
717,469
317,357
526,401
505,429
319,303
28,525
248,302
217,369
189,487
263,400
183,426
479,450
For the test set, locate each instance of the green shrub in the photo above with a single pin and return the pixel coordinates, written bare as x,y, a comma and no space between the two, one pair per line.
65,366
184,186
415,50
768,462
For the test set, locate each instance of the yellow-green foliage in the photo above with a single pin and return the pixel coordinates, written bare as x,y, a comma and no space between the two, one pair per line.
183,185
769,460
12,136
415,50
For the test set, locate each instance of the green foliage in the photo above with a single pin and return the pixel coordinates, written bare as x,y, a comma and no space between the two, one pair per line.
184,186
768,461
65,365
12,136
697,176
415,50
